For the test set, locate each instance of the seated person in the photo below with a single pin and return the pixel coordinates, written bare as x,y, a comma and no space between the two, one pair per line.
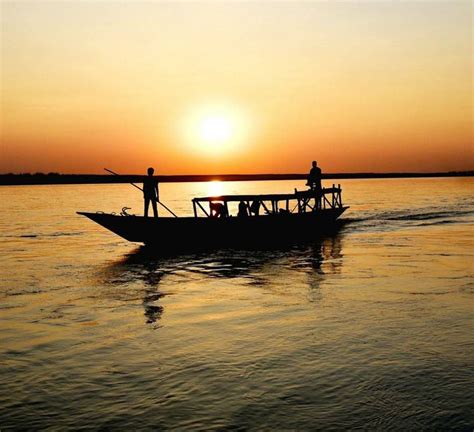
218,209
243,209
255,208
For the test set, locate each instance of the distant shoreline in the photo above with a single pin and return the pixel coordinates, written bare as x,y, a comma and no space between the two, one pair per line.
54,178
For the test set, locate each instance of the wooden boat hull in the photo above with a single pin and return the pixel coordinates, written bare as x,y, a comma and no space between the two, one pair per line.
195,233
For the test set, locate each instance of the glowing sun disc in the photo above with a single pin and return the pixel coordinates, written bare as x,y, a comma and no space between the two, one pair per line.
216,129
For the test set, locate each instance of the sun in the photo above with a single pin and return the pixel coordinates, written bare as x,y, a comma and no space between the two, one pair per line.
218,130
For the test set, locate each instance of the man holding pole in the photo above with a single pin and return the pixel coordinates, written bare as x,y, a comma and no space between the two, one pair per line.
150,192
151,195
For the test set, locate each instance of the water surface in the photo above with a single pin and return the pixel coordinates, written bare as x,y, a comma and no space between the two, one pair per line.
370,328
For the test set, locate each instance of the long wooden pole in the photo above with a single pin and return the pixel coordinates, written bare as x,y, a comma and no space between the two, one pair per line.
139,188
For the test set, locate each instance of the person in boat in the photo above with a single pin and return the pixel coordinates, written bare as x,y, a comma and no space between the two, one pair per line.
218,209
255,208
150,192
314,178
243,209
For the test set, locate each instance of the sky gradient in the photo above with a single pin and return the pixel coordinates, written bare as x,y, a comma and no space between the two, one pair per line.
247,87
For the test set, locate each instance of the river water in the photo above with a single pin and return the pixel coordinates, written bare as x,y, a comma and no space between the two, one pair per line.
370,328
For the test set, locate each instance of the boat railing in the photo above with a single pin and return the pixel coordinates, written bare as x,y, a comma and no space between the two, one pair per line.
297,202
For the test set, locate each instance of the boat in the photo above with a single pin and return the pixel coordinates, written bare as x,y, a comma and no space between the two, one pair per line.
262,220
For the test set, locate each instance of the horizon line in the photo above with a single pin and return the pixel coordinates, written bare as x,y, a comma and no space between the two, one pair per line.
39,178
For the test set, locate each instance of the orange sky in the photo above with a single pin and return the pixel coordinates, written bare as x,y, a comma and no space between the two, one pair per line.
201,88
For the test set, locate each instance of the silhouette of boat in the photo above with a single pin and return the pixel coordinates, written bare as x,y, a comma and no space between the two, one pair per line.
262,220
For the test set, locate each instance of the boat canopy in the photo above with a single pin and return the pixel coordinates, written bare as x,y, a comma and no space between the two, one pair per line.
308,200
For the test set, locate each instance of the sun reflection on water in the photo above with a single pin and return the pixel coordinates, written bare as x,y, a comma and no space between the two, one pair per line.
215,188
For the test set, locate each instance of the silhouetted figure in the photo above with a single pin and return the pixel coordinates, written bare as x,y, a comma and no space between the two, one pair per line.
243,209
314,178
150,192
255,208
218,210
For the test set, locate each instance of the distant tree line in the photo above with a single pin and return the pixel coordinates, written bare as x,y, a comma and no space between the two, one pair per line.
57,178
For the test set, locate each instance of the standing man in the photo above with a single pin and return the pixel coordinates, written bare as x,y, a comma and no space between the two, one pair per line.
314,178
150,192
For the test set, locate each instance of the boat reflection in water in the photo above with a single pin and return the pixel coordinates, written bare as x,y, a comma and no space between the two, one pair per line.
151,276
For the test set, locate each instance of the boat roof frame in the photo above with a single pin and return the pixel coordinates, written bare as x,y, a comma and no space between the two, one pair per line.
269,197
